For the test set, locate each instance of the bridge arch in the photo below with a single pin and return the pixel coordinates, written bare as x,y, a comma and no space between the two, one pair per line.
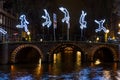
110,50
19,48
72,49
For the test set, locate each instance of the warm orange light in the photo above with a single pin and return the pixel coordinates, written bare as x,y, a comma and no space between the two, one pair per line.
97,62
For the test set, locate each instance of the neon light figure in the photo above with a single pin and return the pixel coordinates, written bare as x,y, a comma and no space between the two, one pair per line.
47,22
101,27
24,23
66,16
3,31
66,19
82,21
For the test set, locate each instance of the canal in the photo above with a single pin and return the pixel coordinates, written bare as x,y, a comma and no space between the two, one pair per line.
61,71
67,64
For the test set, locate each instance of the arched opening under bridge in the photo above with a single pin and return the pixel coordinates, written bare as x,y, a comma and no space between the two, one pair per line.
103,54
68,54
27,54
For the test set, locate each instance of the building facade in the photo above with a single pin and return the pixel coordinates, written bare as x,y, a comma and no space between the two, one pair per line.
7,23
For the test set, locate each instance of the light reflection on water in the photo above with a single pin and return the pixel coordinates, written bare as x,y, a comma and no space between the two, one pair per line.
56,71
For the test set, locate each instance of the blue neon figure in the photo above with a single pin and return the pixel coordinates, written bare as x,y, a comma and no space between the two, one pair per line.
101,27
3,31
66,16
83,23
23,23
47,22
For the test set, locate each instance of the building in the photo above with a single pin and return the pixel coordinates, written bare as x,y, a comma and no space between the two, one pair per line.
8,23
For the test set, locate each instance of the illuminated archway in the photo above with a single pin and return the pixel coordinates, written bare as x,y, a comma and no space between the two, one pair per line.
66,51
19,48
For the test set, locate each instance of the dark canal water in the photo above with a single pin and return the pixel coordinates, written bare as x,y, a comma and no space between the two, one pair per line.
67,66
61,71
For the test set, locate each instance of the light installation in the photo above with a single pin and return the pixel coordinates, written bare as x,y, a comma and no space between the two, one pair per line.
23,23
100,26
3,31
66,19
83,23
48,21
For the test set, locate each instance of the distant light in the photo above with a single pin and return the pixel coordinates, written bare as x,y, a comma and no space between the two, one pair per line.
47,22
23,22
118,32
100,25
82,21
97,62
41,39
119,25
97,38
66,16
28,33
107,31
3,31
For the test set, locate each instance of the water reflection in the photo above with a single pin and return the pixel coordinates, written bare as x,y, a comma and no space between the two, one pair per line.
67,66
55,72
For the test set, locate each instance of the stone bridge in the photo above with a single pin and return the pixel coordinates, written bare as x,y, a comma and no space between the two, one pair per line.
14,52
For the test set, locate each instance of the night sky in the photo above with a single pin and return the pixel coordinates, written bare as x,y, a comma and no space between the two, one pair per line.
96,9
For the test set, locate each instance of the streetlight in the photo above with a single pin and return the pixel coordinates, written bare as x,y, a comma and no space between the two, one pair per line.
119,28
97,39
119,25
106,35
29,38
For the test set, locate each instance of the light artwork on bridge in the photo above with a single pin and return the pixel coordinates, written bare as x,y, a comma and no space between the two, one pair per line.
3,31
100,26
23,23
66,19
83,23
48,21
66,16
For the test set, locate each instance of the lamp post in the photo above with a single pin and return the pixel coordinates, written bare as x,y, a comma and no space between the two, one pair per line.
29,37
106,35
118,28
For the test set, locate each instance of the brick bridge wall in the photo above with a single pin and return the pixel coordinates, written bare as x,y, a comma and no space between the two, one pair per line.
9,50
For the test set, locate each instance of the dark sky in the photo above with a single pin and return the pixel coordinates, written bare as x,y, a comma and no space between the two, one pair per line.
96,9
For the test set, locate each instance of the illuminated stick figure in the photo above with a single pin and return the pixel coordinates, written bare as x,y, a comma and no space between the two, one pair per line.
47,22
66,19
101,27
24,23
82,21
66,16
3,31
